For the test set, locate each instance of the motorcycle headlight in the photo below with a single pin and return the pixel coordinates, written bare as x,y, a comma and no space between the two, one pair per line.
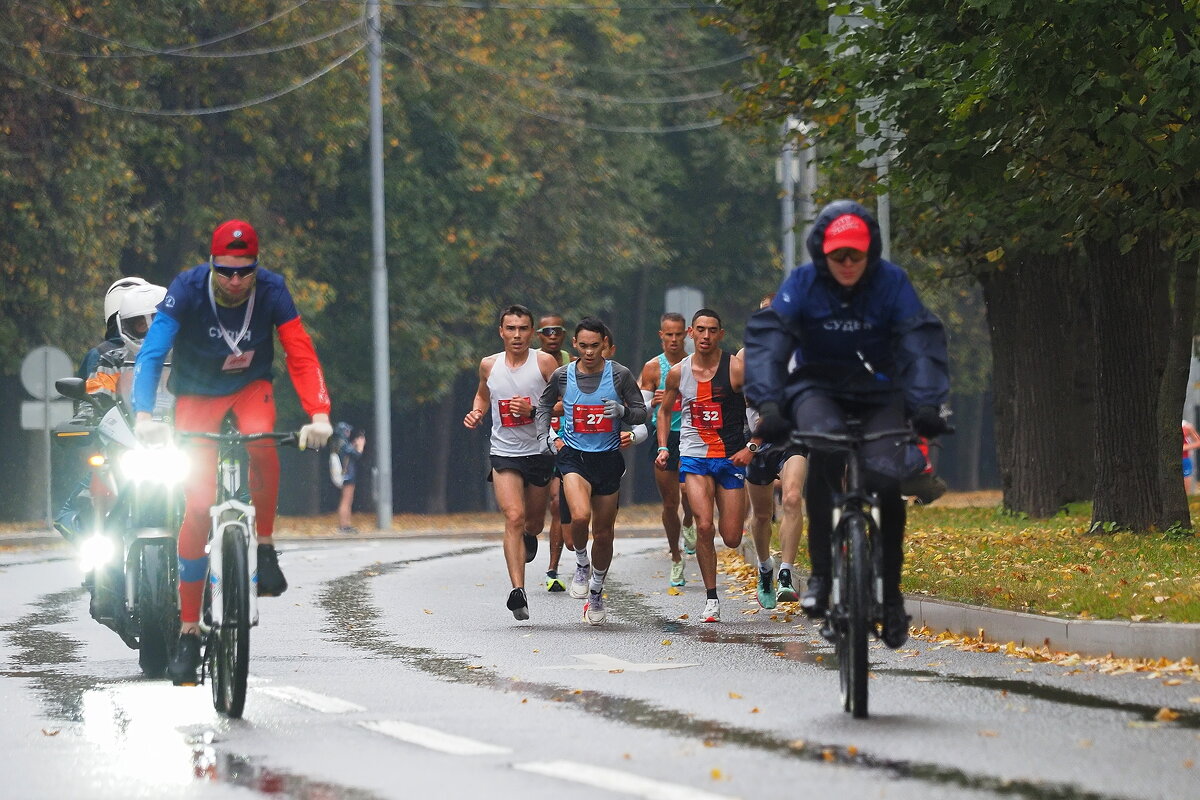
163,465
95,551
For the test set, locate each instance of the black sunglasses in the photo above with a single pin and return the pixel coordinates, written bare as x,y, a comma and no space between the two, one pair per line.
232,272
552,330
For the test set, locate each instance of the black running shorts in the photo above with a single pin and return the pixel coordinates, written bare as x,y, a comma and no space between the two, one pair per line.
602,470
535,470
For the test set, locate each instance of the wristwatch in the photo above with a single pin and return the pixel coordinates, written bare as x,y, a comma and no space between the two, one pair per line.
753,447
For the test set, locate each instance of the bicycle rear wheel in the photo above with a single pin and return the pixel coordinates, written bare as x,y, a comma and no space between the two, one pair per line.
231,654
855,571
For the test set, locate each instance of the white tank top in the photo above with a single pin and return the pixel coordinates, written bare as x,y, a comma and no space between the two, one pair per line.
514,436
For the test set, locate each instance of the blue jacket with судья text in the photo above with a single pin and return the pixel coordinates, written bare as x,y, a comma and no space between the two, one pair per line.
863,343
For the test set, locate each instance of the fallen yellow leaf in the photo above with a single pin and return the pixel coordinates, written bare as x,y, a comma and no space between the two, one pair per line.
666,642
716,774
427,611
1166,715
990,734
797,744
50,731
674,591
734,696
616,671
683,616
754,710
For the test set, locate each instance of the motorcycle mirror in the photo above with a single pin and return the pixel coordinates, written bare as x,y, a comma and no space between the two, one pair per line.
74,388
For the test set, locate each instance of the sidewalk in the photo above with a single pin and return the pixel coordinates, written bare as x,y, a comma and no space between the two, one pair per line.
1097,638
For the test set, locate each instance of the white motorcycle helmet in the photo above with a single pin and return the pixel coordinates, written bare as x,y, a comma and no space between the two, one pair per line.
138,307
112,298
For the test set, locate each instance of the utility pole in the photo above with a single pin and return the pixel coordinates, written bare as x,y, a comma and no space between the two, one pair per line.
787,177
379,279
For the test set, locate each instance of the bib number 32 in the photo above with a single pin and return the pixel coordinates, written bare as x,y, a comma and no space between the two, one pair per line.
706,415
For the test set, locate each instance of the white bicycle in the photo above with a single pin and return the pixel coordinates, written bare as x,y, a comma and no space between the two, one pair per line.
231,588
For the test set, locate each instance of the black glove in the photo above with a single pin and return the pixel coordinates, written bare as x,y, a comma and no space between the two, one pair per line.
773,427
927,421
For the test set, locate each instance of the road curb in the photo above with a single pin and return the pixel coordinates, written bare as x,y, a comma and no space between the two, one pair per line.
1087,637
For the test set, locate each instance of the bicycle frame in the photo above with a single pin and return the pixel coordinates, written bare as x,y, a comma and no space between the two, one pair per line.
855,608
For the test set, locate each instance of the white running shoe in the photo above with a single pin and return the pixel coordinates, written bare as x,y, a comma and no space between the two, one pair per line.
579,582
712,611
593,610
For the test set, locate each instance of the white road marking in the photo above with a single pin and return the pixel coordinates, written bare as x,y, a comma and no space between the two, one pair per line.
601,662
433,739
317,702
612,780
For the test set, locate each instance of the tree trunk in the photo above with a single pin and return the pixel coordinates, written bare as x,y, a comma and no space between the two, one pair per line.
1171,395
1130,323
1042,372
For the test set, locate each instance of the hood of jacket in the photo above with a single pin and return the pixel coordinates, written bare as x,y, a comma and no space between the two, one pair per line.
816,240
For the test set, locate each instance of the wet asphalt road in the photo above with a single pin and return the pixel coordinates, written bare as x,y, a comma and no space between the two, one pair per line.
392,669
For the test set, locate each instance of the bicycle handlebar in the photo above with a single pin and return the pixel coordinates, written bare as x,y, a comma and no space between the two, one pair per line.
282,438
853,439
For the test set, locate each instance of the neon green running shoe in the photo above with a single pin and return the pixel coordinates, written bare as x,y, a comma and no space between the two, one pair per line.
677,578
689,539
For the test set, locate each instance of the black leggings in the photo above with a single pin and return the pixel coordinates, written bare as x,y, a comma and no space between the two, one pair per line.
885,463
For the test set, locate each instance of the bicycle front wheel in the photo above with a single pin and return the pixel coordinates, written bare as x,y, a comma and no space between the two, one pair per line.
852,641
231,656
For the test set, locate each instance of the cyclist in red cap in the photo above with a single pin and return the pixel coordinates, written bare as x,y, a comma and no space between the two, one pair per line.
219,317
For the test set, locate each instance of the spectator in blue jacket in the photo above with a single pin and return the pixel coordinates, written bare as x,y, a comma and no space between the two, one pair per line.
859,342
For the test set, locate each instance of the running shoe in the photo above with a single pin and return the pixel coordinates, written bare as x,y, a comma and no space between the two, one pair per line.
766,588
530,547
895,623
182,668
579,582
593,609
712,611
677,578
517,604
271,582
689,539
815,601
554,583
786,593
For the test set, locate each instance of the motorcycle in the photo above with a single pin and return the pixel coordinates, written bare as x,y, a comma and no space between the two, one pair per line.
127,545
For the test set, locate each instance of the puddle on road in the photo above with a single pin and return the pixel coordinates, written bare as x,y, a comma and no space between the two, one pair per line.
212,766
122,717
353,620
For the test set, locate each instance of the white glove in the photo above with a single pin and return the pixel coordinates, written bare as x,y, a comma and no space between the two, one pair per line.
315,434
640,433
152,432
613,409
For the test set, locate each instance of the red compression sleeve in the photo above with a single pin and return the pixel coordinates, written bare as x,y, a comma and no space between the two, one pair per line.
304,368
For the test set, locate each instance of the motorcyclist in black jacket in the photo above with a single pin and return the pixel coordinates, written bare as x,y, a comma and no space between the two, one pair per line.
863,344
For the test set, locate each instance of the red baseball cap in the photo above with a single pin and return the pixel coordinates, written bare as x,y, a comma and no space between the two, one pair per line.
848,230
235,238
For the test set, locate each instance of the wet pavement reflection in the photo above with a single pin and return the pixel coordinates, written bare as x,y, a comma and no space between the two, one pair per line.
353,620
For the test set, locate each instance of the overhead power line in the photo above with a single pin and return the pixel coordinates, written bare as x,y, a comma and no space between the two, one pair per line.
485,5
143,51
563,120
580,94
148,53
186,112
681,70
